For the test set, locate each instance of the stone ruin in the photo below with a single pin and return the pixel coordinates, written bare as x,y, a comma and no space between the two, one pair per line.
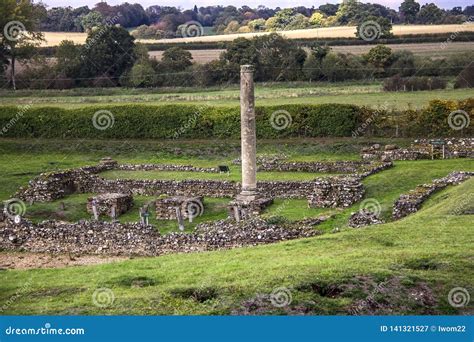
56,185
391,152
113,238
363,218
109,204
169,208
422,149
330,194
240,210
412,202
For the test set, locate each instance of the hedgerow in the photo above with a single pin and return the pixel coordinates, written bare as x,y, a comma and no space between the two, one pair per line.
195,122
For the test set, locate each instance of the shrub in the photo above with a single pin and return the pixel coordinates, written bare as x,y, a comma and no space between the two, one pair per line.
176,121
201,122
466,78
397,83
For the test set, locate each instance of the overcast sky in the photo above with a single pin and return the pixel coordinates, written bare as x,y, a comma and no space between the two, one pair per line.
187,4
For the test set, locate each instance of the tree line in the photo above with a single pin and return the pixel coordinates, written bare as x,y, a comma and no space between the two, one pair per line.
164,21
110,57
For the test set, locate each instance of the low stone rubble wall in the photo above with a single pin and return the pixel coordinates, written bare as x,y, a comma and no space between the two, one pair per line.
421,149
165,167
330,194
324,167
411,202
243,210
92,237
363,217
454,147
189,207
48,187
106,202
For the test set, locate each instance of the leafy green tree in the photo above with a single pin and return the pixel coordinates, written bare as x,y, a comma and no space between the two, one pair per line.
19,35
142,74
402,63
279,59
340,67
466,77
373,28
68,59
257,24
313,64
91,20
329,9
409,10
280,20
109,51
316,19
232,27
379,57
430,14
179,56
240,51
298,22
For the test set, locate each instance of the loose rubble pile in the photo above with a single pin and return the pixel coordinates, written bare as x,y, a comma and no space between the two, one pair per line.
188,207
364,217
92,237
422,149
411,202
110,204
332,194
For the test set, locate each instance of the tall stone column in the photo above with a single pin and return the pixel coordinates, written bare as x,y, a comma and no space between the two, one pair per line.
248,135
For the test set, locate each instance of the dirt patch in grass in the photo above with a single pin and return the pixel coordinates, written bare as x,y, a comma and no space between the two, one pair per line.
262,304
393,296
10,260
367,295
321,288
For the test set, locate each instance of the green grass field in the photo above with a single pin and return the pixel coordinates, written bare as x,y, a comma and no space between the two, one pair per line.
366,94
430,251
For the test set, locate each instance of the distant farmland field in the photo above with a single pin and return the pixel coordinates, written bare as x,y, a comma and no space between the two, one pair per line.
422,49
54,38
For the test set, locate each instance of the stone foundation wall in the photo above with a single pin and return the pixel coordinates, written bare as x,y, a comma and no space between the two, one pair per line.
246,210
336,194
363,218
188,206
108,238
421,149
324,167
411,202
105,202
165,167
51,186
